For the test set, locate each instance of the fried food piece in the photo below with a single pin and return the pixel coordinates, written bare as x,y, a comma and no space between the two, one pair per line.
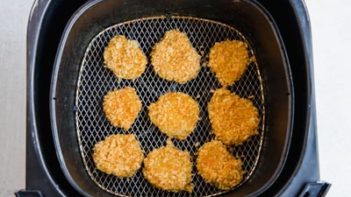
229,60
169,168
217,166
119,155
175,114
125,58
174,58
122,107
233,119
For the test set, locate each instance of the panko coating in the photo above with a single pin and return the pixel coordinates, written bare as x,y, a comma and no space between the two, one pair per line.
233,119
175,114
122,107
174,58
169,168
119,155
229,60
125,58
218,167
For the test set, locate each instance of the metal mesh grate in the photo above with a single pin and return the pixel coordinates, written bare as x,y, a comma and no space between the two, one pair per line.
95,81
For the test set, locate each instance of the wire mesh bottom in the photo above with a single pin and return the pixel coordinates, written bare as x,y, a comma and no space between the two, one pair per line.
95,81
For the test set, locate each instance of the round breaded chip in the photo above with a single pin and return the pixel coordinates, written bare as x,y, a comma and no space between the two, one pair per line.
122,107
119,155
174,58
233,119
169,168
229,60
175,114
125,58
218,167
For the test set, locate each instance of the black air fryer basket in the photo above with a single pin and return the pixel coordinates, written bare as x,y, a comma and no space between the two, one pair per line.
279,83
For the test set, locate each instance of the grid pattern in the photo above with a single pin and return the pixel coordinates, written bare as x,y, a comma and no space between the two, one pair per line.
95,81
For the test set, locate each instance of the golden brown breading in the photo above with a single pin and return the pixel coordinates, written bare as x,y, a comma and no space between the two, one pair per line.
218,167
121,107
119,155
169,168
175,114
233,119
174,58
229,60
125,58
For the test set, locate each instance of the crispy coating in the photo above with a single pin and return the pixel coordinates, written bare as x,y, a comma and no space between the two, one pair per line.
122,107
229,60
125,58
175,114
218,167
174,58
169,168
233,119
119,155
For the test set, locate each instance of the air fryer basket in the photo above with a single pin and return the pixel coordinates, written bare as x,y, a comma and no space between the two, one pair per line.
95,80
80,81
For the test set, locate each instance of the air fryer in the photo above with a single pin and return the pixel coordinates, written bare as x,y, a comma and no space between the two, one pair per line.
64,36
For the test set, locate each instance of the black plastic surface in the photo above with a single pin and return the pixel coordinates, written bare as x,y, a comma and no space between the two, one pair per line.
45,27
249,18
315,189
28,193
302,164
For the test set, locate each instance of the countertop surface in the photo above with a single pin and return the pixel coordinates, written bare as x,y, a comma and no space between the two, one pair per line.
331,30
13,20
